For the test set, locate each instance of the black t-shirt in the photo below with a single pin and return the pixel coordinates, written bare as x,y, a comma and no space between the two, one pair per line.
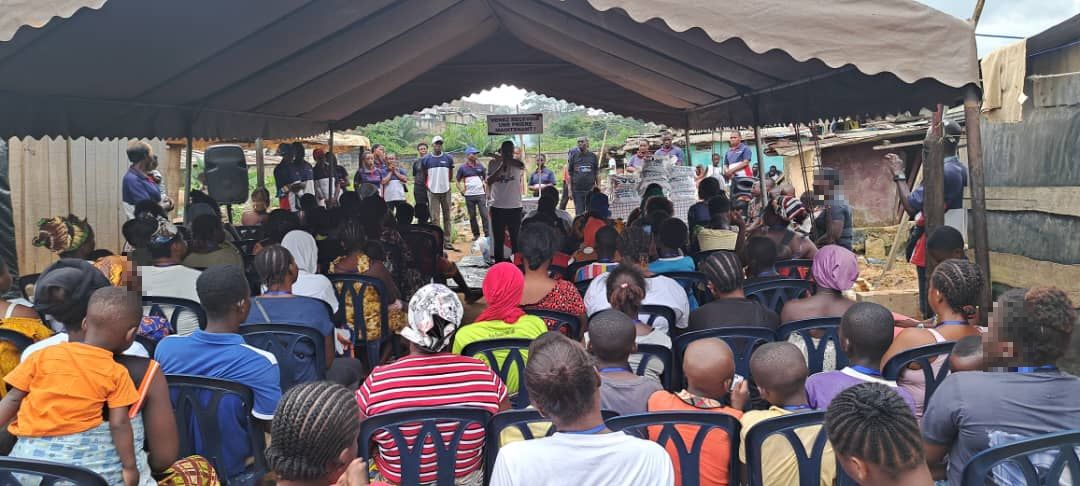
732,312
583,171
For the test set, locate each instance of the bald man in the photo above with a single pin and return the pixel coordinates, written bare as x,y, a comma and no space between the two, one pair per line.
709,368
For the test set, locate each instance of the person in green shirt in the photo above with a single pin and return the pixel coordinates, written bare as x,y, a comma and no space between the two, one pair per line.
502,318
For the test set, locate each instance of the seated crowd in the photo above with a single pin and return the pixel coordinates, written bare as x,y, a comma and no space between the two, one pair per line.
591,319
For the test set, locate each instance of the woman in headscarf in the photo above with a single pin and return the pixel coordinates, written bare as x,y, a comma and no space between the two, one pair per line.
431,377
306,255
71,237
835,270
503,287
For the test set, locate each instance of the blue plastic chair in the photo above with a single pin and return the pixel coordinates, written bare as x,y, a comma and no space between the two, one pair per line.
49,473
568,324
197,406
743,340
816,354
652,312
520,420
661,353
695,283
798,267
514,360
171,309
429,420
351,288
809,463
688,460
1013,461
300,351
923,356
773,294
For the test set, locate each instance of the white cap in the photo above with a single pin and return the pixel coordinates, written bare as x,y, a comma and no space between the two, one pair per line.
436,140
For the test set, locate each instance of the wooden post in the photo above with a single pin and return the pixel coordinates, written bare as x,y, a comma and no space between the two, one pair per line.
802,170
260,176
187,183
333,171
687,144
978,232
934,180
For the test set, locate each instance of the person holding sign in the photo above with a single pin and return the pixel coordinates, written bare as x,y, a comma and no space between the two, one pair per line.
584,169
470,181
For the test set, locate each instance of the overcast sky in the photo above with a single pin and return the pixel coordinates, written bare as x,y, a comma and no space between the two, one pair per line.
999,17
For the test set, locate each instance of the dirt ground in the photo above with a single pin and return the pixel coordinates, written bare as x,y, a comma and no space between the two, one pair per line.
901,276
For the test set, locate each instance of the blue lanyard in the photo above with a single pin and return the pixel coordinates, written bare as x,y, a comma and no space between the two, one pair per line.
792,408
1033,369
866,371
952,323
276,292
613,370
592,431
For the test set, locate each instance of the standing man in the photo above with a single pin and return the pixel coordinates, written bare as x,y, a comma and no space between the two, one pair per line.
714,170
323,178
437,167
583,168
472,182
283,175
380,156
667,148
420,195
543,177
738,157
305,175
956,179
637,161
137,184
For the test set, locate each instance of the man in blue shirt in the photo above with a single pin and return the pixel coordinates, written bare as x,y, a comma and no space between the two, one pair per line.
220,352
471,181
667,148
737,159
137,185
437,169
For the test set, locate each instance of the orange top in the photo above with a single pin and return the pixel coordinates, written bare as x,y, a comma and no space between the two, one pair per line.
715,453
67,385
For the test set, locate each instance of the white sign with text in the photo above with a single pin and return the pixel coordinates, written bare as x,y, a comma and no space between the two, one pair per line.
522,124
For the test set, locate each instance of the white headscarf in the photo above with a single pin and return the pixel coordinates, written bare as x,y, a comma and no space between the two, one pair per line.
306,254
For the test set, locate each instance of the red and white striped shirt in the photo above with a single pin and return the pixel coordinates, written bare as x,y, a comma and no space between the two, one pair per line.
437,380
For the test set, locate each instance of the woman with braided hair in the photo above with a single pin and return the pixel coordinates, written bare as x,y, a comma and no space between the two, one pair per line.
953,295
313,437
1023,395
875,437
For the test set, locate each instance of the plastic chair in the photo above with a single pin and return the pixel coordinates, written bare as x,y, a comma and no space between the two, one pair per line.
568,324
520,420
661,353
923,356
1006,463
787,425
773,294
197,406
351,288
171,309
19,340
653,312
249,232
411,448
743,340
300,351
509,359
800,268
49,473
815,361
688,455
26,284
695,283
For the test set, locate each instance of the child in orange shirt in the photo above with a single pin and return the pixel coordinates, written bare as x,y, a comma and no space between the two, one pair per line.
709,368
65,387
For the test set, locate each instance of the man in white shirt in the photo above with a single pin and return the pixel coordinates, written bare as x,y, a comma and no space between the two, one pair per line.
472,182
167,277
564,386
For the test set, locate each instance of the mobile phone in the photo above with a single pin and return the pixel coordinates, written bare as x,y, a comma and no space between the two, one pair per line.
735,380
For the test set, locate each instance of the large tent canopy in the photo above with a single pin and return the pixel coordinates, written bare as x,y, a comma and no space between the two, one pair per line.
279,68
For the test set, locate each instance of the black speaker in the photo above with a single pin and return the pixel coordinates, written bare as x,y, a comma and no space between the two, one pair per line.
226,174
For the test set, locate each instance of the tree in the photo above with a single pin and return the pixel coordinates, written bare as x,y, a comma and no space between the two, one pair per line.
459,137
397,134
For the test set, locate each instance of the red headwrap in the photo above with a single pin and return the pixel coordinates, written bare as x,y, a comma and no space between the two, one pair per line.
503,286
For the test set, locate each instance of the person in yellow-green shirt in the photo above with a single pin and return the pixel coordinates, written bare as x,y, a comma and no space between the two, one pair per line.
502,318
779,371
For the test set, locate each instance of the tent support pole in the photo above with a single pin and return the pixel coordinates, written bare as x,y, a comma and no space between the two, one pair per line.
972,102
688,162
333,170
934,181
187,183
760,149
260,176
802,171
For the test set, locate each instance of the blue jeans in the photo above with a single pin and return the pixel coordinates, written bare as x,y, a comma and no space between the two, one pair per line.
580,199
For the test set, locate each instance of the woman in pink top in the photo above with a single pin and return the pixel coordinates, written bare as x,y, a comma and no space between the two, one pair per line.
954,291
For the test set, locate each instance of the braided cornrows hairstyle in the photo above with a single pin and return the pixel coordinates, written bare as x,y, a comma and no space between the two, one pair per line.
352,235
960,282
626,289
871,422
313,423
1039,322
724,270
272,264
